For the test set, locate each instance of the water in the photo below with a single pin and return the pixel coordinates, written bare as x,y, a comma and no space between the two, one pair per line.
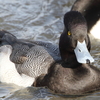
38,20
34,19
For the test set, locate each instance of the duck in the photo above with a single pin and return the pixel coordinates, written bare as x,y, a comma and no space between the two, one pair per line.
90,9
27,59
64,68
30,57
72,75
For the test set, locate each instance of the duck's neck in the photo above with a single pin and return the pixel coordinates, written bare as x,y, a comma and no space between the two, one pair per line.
70,63
67,52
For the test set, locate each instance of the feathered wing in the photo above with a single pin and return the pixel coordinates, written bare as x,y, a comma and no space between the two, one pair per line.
37,61
32,58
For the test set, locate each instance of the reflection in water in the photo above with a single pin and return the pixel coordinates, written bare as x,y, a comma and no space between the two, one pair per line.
37,20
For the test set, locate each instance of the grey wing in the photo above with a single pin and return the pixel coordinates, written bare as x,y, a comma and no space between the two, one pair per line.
38,62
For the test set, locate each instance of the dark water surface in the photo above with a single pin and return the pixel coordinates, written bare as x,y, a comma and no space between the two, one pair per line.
38,20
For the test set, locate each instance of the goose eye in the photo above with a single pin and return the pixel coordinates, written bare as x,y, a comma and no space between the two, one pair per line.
69,33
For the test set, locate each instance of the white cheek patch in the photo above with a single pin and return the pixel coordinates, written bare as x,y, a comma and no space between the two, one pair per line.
82,53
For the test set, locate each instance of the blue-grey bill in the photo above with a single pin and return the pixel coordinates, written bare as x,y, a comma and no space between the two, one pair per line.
82,53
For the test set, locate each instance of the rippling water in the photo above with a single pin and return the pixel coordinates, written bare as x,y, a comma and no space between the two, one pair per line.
35,19
38,20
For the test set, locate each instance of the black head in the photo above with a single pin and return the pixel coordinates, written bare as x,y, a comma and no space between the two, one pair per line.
75,30
75,26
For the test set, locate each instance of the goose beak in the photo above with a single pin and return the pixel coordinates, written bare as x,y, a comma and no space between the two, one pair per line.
82,53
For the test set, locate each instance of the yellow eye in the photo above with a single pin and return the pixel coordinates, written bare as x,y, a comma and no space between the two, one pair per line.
69,33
